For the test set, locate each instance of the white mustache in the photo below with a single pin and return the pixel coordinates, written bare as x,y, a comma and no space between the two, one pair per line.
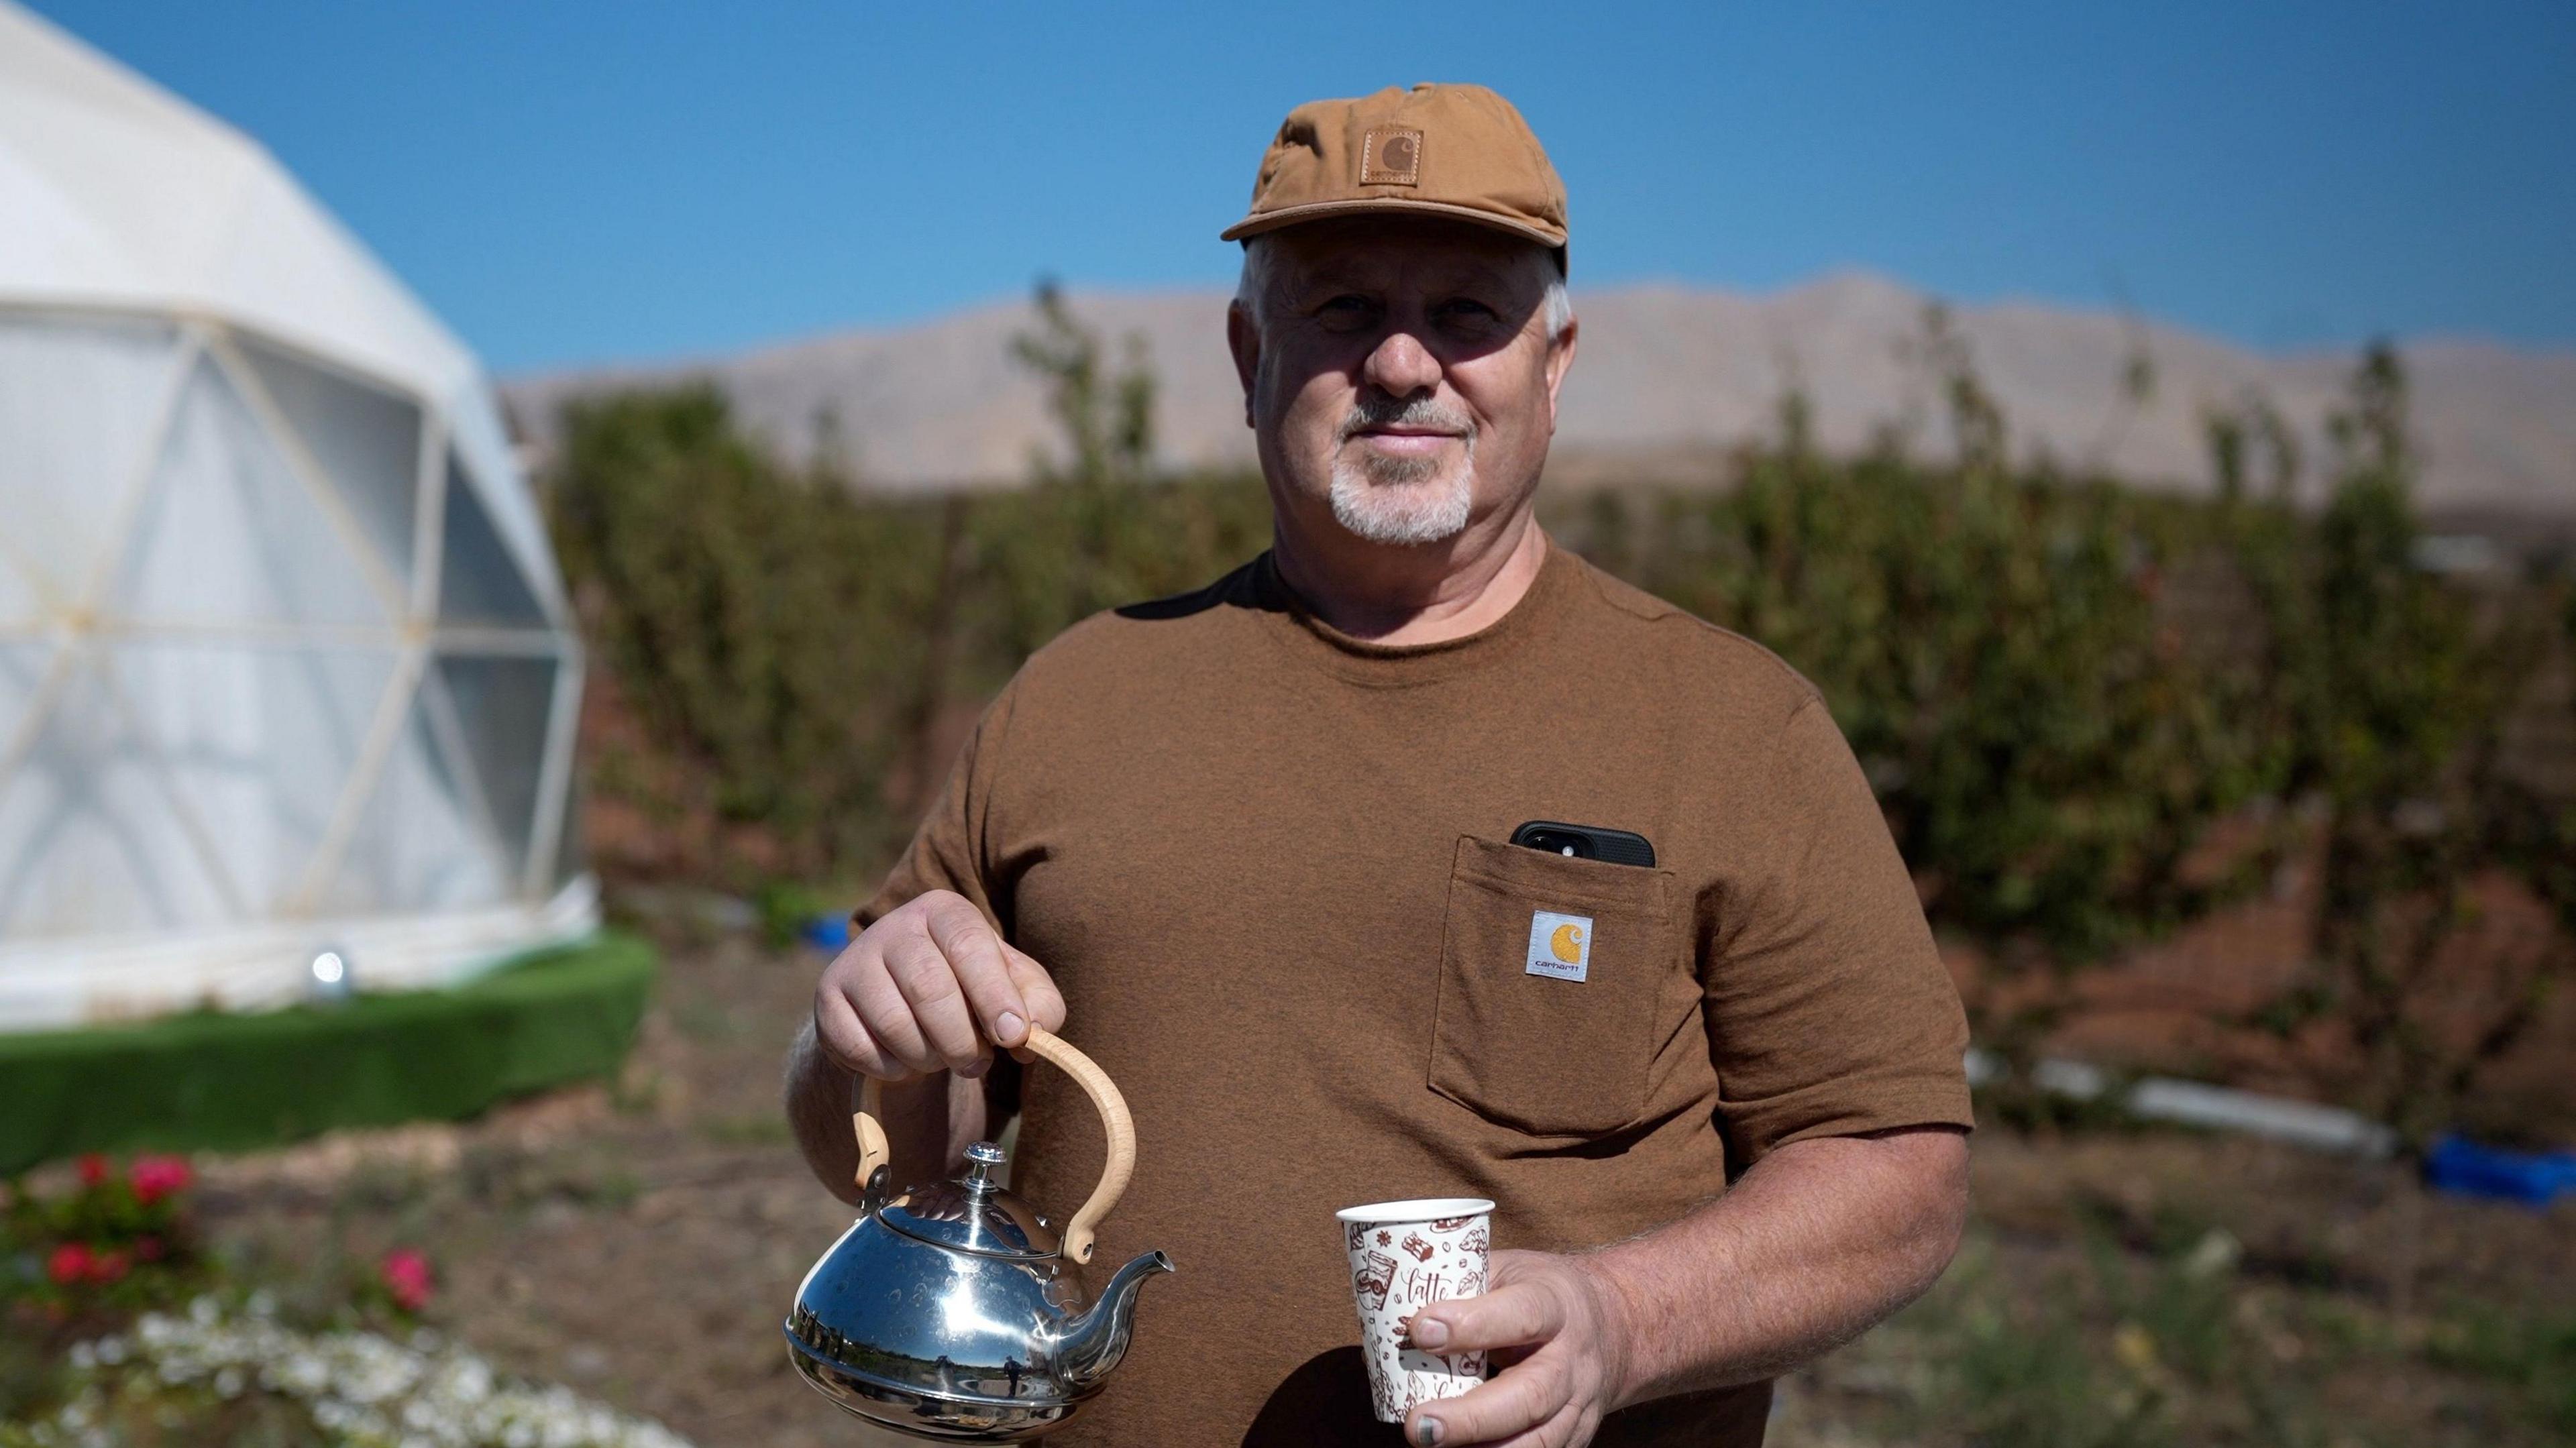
1421,412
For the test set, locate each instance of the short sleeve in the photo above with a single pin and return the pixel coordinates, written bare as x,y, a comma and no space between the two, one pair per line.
1829,1011
949,850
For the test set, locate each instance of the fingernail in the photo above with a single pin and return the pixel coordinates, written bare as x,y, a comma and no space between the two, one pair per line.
1010,1027
1427,1431
976,1068
1433,1333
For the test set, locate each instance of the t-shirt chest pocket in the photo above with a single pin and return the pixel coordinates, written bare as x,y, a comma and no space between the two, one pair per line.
1550,968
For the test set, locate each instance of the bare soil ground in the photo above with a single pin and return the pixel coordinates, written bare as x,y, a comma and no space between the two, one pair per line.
642,1242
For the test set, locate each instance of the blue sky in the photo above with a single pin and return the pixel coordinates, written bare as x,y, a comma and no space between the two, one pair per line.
587,181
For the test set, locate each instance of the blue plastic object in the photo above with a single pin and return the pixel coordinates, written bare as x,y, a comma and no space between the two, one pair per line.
826,932
2535,1178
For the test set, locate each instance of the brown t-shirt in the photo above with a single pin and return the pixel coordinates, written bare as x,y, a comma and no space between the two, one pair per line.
1266,863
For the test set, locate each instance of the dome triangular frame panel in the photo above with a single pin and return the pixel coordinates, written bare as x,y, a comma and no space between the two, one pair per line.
241,465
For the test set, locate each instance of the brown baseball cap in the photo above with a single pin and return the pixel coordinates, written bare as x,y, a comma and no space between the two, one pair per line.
1443,150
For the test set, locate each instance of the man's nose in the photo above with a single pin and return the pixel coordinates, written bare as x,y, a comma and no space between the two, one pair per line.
1401,366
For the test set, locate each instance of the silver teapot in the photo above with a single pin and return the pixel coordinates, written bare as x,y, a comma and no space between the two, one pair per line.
948,1311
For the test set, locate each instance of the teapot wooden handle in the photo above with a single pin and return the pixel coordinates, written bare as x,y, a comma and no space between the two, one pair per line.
1121,1129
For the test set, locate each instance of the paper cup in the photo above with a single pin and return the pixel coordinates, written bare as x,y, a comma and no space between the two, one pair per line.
1405,1255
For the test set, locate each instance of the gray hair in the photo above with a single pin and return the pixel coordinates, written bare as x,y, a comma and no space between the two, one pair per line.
1253,289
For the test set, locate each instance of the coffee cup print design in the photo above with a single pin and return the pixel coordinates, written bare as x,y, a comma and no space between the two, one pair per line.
1372,1278
1405,1256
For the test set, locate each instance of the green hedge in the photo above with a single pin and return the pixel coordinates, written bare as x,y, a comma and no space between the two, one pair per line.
231,1082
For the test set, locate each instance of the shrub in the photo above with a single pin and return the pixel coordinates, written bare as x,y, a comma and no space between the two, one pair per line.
118,1238
2389,699
766,625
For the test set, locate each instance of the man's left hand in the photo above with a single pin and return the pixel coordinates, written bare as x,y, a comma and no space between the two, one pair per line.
1560,1327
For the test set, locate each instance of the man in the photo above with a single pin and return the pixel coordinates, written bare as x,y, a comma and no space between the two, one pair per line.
1249,849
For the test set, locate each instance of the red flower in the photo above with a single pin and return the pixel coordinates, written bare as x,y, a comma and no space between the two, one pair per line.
69,1264
93,1170
406,1277
155,1177
108,1266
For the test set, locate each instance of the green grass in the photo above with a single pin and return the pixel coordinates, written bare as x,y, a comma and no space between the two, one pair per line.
2094,1345
2531,1357
235,1082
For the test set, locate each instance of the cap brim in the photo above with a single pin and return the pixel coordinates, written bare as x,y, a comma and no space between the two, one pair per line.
1265,221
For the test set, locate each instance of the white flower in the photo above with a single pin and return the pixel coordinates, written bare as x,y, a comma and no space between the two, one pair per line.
301,1373
366,1390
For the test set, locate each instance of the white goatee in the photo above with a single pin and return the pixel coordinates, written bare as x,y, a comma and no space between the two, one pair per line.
1402,499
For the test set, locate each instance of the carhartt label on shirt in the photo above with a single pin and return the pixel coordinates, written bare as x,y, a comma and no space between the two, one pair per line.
1560,945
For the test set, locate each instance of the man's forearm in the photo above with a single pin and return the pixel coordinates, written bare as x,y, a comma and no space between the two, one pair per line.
928,1121
1816,1243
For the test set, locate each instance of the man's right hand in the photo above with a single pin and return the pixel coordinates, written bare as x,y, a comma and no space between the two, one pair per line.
930,987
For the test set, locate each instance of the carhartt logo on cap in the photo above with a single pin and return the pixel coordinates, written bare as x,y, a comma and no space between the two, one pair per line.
1391,156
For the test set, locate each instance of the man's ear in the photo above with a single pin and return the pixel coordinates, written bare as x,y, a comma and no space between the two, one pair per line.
1560,358
1244,340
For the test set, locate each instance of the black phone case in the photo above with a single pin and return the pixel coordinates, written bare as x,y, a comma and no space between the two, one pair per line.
1587,842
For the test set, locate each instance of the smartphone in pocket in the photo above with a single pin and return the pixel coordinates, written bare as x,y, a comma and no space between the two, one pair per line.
1586,842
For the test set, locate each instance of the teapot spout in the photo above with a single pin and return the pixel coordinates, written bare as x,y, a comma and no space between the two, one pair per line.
1092,1344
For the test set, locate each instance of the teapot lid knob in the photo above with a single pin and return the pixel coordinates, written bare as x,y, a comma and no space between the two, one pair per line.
981,1158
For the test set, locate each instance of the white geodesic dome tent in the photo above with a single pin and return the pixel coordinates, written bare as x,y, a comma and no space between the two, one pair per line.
285,664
